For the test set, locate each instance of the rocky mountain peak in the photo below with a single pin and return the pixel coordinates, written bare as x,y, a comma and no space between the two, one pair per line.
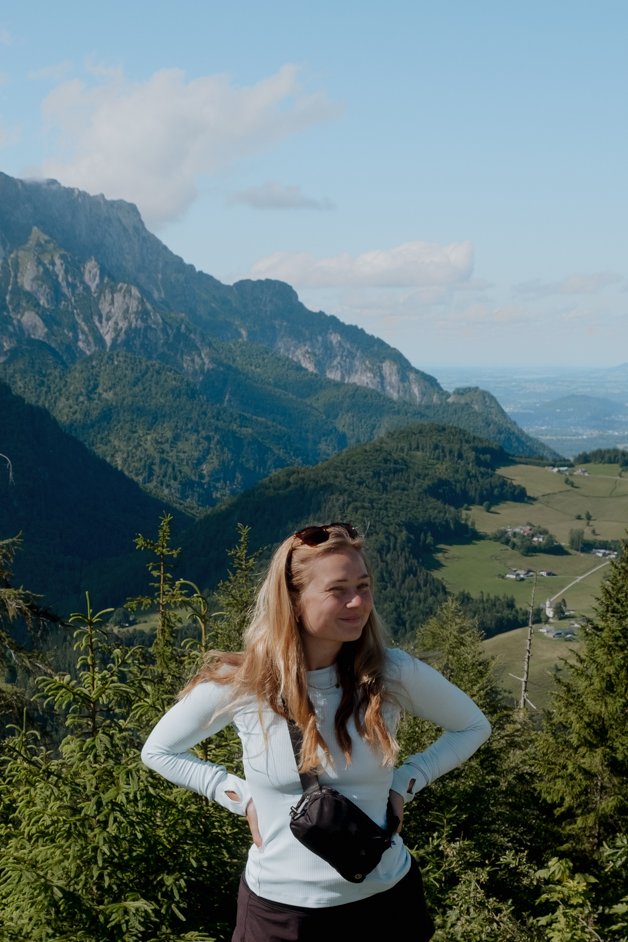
112,275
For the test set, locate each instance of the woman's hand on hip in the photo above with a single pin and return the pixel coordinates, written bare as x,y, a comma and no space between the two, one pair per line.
251,817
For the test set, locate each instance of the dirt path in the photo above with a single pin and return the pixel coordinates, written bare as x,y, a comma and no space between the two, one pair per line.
580,578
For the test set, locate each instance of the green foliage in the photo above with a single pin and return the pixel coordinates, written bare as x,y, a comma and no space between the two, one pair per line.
477,853
576,539
16,603
22,623
582,758
433,471
193,444
585,739
96,848
529,539
575,907
525,842
472,912
167,596
188,444
77,514
494,614
617,456
235,595
480,414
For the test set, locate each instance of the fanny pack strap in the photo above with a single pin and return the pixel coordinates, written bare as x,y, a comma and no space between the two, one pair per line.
296,738
310,778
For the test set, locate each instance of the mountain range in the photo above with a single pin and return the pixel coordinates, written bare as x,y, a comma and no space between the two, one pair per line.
195,390
570,408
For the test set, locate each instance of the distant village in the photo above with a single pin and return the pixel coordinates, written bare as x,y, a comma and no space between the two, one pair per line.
552,608
565,469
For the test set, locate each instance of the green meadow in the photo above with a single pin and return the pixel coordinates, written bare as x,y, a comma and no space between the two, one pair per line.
597,504
481,566
555,504
549,656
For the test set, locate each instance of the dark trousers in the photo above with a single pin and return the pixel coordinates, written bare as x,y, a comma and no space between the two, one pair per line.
398,911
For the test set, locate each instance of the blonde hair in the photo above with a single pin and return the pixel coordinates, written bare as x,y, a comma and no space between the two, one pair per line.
272,666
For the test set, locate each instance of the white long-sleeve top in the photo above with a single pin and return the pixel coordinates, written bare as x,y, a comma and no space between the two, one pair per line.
282,869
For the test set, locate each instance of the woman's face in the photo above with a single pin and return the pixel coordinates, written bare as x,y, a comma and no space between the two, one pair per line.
334,606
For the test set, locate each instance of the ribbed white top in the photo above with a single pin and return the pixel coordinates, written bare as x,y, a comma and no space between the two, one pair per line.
282,869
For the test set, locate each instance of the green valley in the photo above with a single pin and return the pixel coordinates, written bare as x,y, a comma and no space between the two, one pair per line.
595,503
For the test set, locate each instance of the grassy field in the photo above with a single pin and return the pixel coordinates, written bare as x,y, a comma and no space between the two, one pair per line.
559,507
603,493
508,652
482,566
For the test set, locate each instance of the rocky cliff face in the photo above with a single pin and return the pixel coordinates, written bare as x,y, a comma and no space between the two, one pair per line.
82,273
75,308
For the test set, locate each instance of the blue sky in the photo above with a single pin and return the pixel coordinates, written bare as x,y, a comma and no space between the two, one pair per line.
451,176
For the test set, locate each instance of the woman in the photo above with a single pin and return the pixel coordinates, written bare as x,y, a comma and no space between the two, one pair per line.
314,651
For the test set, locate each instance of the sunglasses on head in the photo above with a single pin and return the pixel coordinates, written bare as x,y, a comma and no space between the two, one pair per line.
314,536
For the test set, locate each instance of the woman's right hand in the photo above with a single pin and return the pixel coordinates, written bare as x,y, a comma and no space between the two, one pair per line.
251,817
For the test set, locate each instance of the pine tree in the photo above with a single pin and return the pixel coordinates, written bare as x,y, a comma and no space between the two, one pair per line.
168,596
475,830
21,620
583,767
95,848
235,595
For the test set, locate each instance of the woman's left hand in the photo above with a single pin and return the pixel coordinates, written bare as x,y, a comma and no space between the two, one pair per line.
397,804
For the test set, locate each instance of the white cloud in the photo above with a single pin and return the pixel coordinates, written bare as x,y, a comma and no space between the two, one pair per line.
484,319
272,195
588,284
449,323
54,73
149,142
412,264
573,284
6,39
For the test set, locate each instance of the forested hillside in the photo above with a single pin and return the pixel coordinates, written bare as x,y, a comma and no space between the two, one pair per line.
407,491
194,390
77,515
190,444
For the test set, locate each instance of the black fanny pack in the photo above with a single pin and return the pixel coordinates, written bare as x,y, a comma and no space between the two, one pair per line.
334,828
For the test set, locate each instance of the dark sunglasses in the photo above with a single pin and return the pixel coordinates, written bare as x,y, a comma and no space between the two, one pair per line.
314,536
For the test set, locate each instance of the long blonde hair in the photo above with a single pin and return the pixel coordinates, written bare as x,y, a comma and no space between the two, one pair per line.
272,666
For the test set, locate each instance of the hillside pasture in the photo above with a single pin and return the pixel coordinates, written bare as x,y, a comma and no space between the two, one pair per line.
548,658
481,566
554,504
